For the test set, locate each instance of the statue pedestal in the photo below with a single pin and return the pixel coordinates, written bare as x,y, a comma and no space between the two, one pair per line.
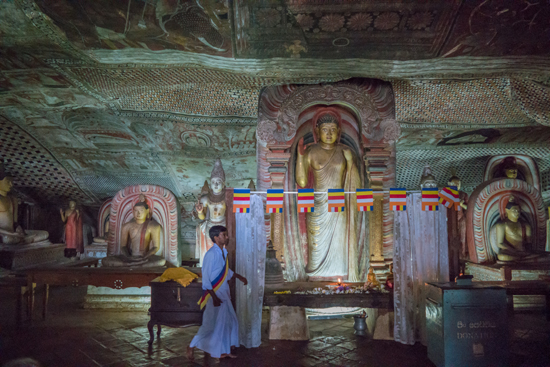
17,257
96,250
498,272
127,299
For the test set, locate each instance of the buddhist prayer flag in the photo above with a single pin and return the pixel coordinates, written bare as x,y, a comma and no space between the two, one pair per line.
450,198
398,199
306,202
274,203
336,202
365,200
241,201
430,199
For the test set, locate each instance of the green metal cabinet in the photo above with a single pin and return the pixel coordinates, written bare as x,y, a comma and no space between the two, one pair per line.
466,325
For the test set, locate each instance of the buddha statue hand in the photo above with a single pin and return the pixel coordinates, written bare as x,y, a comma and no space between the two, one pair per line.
199,207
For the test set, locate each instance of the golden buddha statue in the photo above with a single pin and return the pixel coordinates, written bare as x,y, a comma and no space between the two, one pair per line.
372,282
511,238
210,209
139,241
10,232
508,168
332,237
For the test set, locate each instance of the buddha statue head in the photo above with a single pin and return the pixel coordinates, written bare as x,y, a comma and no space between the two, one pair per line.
72,205
6,181
141,211
513,210
217,178
327,129
427,181
509,167
454,181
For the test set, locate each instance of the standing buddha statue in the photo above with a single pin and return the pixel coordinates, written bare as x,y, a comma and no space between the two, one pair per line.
73,230
210,208
332,237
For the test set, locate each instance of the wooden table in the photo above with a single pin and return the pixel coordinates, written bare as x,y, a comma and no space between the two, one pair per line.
17,284
117,278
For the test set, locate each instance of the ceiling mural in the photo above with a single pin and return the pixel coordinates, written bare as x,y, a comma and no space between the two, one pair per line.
338,29
96,95
144,24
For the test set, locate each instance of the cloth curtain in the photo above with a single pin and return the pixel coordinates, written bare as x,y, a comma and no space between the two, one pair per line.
420,255
250,263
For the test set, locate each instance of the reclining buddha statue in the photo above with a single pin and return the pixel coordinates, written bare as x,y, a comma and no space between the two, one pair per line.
10,232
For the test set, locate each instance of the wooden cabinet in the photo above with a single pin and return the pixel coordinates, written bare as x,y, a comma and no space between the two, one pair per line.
174,306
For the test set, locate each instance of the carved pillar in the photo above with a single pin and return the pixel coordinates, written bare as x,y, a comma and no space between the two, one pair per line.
376,161
278,161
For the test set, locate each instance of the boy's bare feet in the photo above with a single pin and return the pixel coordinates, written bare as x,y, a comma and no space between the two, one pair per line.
190,353
228,356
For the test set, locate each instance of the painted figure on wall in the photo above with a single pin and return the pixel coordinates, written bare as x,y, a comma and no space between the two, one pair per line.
139,241
332,237
73,230
10,232
210,209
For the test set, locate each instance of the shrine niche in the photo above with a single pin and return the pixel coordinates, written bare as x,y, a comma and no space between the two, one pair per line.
98,248
163,208
525,167
361,113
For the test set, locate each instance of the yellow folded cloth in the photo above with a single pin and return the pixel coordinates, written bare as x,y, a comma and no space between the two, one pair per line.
282,292
180,275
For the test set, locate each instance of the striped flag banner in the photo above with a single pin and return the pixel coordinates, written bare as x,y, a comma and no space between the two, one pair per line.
336,201
274,203
398,199
306,202
365,200
430,199
241,201
449,197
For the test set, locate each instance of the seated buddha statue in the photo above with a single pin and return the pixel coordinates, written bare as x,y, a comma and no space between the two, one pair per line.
372,283
10,232
511,238
139,241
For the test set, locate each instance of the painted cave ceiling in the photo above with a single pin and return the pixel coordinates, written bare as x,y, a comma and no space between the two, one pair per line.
96,95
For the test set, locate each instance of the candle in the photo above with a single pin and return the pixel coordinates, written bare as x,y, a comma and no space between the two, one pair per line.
339,281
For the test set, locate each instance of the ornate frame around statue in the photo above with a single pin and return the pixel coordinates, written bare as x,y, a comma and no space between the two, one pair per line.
280,117
103,216
486,206
165,206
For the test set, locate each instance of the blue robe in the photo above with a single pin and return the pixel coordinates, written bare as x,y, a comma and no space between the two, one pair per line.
220,329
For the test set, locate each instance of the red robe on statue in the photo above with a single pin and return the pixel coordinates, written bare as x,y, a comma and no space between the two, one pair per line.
73,232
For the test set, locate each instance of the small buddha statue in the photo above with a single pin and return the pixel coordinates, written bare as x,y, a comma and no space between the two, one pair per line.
508,168
139,241
389,278
10,232
460,215
428,181
73,230
210,209
372,283
511,238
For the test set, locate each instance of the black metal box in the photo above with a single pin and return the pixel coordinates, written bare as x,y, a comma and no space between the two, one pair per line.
466,325
174,305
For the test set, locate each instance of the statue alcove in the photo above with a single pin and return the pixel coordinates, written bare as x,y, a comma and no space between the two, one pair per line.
164,209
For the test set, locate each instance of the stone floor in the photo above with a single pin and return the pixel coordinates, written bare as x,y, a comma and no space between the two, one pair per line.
73,336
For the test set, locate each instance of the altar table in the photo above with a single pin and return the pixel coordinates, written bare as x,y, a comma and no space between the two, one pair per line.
116,278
